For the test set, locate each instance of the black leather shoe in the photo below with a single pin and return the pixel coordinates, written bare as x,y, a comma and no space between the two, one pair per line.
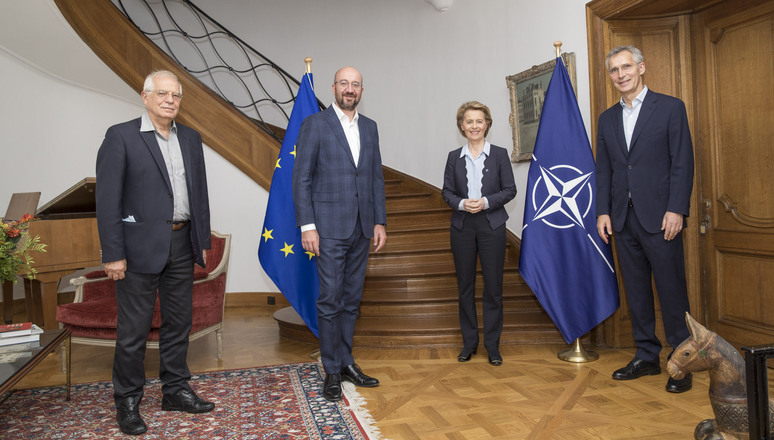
637,368
466,354
187,401
352,373
680,386
128,416
332,387
495,359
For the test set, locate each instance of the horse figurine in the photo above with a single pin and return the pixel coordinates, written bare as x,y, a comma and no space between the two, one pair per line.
705,350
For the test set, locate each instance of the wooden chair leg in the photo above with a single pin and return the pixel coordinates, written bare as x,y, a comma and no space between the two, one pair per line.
219,337
8,301
65,357
33,301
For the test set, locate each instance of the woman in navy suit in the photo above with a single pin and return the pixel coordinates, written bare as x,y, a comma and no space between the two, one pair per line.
477,183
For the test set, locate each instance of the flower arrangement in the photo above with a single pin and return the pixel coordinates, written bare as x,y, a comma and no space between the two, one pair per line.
15,249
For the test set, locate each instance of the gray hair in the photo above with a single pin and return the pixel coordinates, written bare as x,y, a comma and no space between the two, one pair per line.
148,86
636,54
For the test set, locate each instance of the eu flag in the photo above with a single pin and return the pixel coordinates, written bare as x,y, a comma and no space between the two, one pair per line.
293,270
563,260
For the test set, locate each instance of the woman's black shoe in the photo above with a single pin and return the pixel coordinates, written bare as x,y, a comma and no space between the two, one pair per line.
495,359
466,354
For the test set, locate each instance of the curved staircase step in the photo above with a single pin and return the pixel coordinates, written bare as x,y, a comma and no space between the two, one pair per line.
401,201
410,293
436,293
518,328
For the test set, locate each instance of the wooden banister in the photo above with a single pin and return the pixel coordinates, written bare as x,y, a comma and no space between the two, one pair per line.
131,55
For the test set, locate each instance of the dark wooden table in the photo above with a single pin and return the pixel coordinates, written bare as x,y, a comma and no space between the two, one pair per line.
11,372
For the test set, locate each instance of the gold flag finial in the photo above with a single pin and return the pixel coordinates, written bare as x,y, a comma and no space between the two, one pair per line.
308,61
558,46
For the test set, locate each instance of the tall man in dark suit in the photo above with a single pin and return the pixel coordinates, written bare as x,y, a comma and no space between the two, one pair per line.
153,218
338,191
644,182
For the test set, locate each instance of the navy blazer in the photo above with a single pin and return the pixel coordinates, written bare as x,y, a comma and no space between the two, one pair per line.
657,170
497,185
329,189
133,182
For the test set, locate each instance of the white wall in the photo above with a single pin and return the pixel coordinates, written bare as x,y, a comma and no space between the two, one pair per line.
418,64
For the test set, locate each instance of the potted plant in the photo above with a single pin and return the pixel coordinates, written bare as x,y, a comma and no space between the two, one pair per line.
16,247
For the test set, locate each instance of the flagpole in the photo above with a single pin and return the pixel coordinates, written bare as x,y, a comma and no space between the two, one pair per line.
576,353
315,354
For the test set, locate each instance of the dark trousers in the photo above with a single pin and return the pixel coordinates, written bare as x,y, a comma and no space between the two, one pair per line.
477,240
642,254
341,267
136,297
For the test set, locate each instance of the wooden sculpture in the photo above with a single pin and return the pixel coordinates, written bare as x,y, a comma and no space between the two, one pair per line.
705,350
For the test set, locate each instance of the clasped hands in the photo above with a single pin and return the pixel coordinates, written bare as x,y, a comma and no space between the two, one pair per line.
474,206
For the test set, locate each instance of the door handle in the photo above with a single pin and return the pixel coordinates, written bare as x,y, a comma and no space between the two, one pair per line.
705,224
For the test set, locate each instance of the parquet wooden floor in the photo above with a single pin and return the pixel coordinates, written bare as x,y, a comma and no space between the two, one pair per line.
426,394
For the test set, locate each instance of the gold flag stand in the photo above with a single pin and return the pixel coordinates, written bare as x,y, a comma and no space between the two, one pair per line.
577,354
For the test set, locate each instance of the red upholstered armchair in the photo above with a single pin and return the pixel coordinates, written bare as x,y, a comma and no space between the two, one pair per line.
93,314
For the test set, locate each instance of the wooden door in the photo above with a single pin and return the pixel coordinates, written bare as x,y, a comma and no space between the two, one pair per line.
735,96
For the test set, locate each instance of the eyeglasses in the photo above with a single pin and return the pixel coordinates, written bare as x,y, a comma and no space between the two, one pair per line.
344,84
162,94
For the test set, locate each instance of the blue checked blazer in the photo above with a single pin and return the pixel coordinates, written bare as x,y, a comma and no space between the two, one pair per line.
329,189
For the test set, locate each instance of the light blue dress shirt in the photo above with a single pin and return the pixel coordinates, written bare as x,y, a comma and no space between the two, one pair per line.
475,172
630,115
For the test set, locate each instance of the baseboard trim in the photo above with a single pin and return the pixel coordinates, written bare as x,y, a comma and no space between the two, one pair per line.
256,299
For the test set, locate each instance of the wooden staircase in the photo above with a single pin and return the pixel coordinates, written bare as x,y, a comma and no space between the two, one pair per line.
410,294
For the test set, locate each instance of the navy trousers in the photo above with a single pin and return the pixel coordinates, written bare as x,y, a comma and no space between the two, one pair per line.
341,267
642,254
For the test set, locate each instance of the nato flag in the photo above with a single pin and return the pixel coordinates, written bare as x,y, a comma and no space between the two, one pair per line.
563,260
293,270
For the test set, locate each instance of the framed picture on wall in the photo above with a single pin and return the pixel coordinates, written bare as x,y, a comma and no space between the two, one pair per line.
528,91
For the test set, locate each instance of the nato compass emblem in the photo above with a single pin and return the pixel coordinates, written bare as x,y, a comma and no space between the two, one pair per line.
562,196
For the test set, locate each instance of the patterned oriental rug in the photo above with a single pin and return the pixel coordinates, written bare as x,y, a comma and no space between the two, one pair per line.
280,402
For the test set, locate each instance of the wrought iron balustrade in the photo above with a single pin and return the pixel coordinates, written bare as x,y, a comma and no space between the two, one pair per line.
246,79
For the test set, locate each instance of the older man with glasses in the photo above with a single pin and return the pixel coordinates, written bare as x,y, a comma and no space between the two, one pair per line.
153,218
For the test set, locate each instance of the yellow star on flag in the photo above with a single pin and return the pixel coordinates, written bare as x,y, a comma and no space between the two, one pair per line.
288,249
311,254
277,165
267,234
294,151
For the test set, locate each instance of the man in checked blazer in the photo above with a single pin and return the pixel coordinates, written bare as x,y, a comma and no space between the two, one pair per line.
338,191
644,183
